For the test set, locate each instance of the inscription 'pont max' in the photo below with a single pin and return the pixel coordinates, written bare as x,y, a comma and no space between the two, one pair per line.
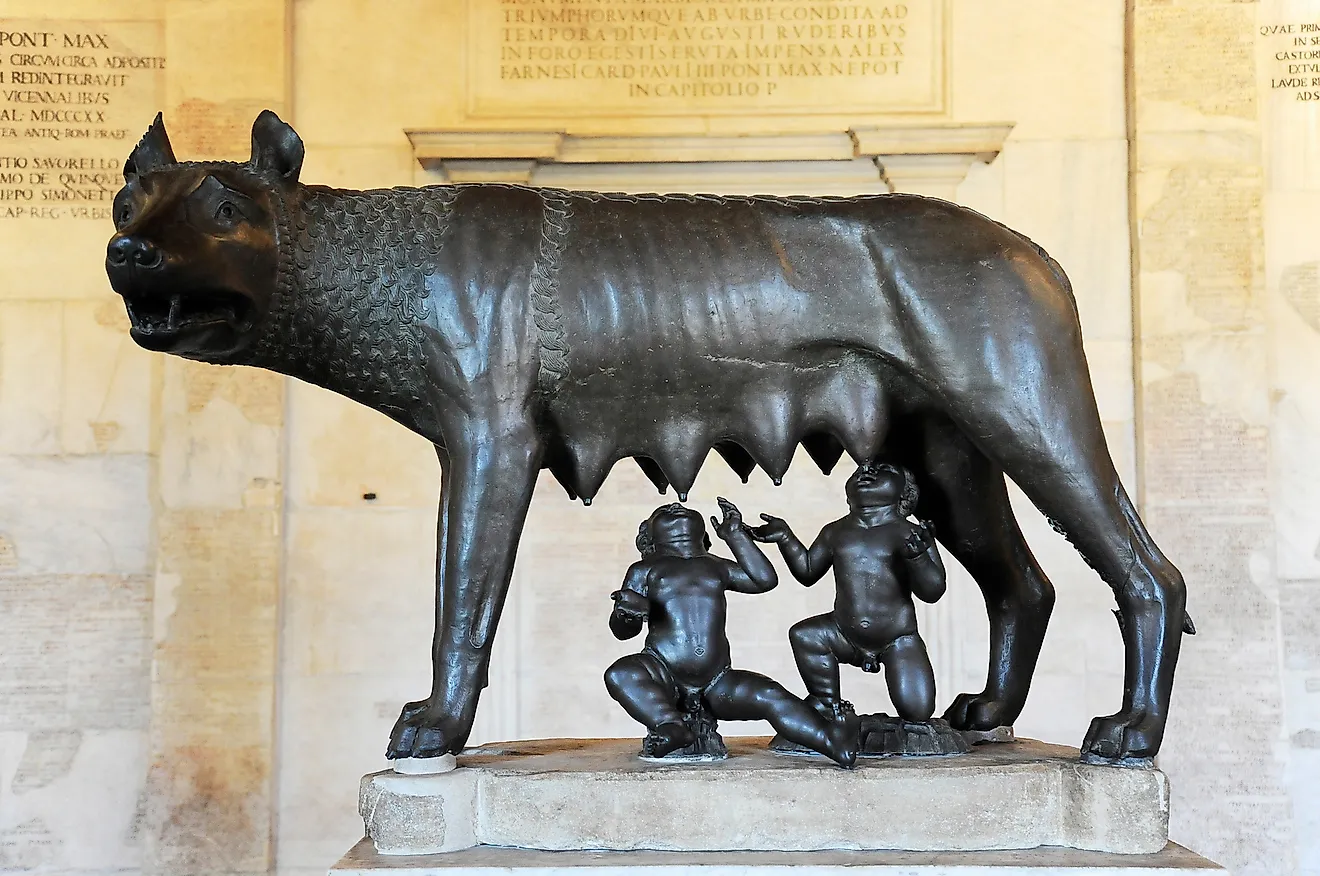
637,56
70,93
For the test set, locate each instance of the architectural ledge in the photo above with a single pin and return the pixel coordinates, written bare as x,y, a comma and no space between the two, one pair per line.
927,159
982,142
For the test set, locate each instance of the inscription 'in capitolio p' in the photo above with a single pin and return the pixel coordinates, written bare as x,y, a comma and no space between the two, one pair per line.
528,57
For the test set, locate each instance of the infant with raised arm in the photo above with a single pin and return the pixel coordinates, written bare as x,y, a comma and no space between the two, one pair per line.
880,561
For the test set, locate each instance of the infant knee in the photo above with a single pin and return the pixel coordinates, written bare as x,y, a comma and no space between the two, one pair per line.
916,705
806,636
912,688
621,676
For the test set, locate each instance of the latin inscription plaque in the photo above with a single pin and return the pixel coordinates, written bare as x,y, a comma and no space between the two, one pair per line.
1294,58
74,98
689,57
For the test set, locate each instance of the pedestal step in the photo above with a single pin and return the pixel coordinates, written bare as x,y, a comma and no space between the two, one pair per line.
573,794
1174,860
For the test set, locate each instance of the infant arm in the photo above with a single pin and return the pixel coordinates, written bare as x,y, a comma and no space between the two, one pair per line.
753,573
921,558
808,565
811,563
630,602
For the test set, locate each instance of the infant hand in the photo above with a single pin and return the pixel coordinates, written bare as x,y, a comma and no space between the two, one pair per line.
629,602
732,521
774,530
919,539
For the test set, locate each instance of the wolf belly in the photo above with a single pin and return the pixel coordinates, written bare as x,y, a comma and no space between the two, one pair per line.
748,325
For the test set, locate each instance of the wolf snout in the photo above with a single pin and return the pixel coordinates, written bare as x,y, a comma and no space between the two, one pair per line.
133,251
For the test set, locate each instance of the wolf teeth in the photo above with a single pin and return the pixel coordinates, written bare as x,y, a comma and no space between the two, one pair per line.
176,305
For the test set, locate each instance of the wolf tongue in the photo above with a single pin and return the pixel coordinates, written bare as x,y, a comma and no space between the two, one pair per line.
176,304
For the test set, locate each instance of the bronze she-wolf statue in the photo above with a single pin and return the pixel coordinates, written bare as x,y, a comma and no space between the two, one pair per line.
519,329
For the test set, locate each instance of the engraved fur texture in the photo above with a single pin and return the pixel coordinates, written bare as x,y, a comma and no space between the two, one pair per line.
546,312
352,295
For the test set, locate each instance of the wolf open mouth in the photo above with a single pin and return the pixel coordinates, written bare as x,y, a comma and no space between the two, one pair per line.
155,314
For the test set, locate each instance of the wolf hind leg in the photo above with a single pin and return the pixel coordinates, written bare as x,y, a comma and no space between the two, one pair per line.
1064,468
965,495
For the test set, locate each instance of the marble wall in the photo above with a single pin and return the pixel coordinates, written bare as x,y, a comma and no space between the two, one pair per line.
77,545
215,585
142,538
1223,184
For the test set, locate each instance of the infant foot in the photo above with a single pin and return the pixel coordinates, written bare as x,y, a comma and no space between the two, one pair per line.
832,709
845,741
668,738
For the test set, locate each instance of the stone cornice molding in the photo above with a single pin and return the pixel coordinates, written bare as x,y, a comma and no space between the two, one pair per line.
924,159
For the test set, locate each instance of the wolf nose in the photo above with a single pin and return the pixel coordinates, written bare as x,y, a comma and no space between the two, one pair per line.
139,252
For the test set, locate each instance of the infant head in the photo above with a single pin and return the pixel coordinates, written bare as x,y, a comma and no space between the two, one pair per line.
669,524
876,485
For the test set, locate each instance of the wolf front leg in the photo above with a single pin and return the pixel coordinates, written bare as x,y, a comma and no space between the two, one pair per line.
486,487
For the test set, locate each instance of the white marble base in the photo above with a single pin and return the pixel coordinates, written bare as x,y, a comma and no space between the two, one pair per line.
424,766
571,794
1174,860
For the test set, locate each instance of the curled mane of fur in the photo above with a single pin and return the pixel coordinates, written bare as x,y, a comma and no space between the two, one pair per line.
351,293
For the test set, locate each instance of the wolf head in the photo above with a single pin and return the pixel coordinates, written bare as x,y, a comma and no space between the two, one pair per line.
196,253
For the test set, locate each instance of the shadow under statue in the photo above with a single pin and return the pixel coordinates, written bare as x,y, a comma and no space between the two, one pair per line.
521,329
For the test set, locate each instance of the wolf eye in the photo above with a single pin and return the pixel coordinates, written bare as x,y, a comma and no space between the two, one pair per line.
226,211
123,214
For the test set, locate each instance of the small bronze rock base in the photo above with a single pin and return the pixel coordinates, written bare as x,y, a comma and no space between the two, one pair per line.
886,736
708,745
883,736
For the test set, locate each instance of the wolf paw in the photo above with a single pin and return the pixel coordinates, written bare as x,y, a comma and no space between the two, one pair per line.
424,731
978,712
1128,736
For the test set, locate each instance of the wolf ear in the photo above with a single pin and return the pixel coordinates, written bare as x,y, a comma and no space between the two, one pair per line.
276,147
151,152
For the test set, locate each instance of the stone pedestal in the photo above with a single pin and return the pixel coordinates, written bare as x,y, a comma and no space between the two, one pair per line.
1174,860
574,794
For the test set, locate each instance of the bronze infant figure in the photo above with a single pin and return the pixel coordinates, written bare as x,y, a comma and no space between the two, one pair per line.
521,329
880,562
678,589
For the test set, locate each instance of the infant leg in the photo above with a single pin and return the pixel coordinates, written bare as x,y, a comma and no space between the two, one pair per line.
818,646
641,685
910,678
749,696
